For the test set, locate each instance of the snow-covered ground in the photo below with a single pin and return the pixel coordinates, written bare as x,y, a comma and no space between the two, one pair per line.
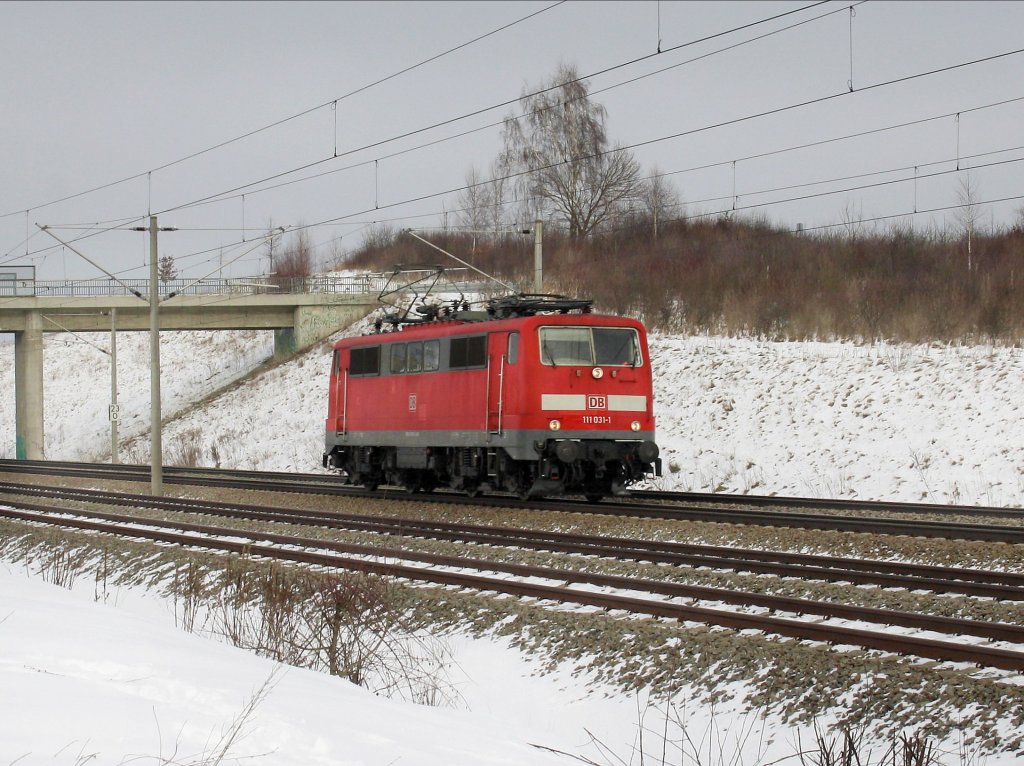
937,423
917,423
86,682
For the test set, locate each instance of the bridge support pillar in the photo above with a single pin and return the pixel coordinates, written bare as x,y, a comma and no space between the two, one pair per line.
313,324
284,343
28,388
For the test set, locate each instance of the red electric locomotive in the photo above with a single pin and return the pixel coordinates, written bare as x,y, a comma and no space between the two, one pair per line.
535,396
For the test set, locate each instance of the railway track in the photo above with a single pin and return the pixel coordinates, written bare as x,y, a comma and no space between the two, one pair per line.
659,598
731,509
951,580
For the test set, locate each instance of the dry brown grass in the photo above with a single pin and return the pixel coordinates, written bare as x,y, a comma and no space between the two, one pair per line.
749,277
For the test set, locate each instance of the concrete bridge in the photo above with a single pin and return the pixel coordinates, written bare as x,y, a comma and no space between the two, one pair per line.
301,311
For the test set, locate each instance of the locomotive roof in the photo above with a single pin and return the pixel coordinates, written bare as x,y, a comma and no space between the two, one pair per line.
470,326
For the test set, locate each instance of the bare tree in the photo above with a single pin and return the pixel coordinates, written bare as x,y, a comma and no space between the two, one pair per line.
296,258
380,236
659,200
853,220
338,255
969,212
474,202
561,146
166,270
482,202
498,189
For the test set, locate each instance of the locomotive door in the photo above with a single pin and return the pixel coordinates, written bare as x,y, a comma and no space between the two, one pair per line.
339,396
497,342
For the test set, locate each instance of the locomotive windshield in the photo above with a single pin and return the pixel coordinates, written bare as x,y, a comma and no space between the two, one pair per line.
608,346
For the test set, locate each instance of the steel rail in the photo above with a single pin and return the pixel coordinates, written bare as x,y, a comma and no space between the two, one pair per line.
710,498
836,504
717,514
971,582
213,539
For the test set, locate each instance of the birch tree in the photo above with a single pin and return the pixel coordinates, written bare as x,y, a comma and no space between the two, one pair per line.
567,166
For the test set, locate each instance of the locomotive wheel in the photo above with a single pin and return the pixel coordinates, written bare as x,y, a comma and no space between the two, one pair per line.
593,497
412,482
520,482
522,490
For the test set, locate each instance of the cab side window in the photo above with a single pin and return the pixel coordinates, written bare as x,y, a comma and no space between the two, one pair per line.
513,348
431,355
365,361
414,357
397,358
468,352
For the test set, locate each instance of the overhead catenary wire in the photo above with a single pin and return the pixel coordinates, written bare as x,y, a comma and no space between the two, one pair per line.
222,196
232,193
774,111
375,144
377,206
283,120
219,197
681,134
706,166
734,206
784,188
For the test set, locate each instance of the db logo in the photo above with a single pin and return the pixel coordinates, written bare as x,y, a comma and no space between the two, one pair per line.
412,402
597,402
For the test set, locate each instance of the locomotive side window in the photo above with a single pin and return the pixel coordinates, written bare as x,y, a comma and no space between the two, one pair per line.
609,346
336,363
365,361
468,352
513,348
414,357
431,355
397,358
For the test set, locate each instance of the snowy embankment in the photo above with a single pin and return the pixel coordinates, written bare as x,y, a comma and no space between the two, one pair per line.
86,682
915,423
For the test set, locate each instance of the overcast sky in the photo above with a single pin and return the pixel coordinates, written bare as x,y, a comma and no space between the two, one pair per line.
94,93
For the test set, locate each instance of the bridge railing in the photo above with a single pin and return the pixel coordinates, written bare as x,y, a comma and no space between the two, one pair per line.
24,285
261,285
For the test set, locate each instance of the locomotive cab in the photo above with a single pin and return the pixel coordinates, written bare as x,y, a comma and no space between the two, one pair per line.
595,425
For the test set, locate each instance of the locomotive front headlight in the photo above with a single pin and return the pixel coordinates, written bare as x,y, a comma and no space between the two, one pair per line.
554,425
598,373
635,425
